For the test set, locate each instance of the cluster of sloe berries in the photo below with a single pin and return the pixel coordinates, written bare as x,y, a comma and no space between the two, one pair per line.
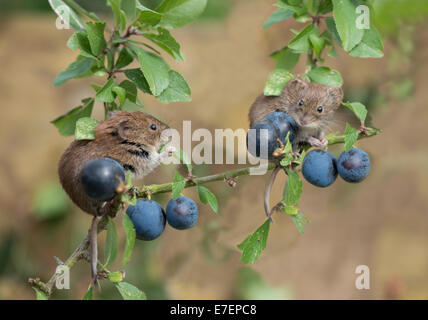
100,178
321,167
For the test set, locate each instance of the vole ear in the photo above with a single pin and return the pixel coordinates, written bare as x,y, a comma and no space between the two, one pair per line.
296,84
335,96
123,128
112,113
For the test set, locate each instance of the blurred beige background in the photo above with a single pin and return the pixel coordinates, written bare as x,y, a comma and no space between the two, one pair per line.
381,223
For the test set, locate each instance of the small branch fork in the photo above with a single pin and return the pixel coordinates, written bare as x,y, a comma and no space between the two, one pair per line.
82,250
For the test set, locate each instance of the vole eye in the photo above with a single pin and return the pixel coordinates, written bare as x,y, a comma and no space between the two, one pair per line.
319,109
153,127
301,103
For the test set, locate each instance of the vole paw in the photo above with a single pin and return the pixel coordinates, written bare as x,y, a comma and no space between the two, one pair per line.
320,143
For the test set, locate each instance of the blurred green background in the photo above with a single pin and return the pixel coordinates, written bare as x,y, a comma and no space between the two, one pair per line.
381,223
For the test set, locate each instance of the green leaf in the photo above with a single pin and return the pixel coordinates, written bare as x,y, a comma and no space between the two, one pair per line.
115,277
154,68
276,82
177,13
345,18
137,77
89,294
124,59
66,123
74,70
332,52
67,14
40,295
285,58
370,46
129,7
85,129
326,76
292,189
130,238
110,250
119,15
358,109
317,43
148,16
300,220
80,40
167,42
331,25
177,90
280,15
131,90
311,5
120,92
130,292
96,37
351,135
177,185
300,44
254,244
207,197
106,94
325,7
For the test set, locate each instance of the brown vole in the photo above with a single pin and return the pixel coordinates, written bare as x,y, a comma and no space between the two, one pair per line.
310,104
132,139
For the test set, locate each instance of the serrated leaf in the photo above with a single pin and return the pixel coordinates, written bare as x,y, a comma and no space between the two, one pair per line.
76,69
177,185
177,13
276,82
281,14
177,90
326,76
300,220
106,94
166,41
85,129
110,250
207,197
331,25
292,189
300,43
254,244
124,59
285,58
351,135
96,37
130,238
154,68
130,292
358,109
89,294
345,17
66,123
67,14
137,76
40,295
80,40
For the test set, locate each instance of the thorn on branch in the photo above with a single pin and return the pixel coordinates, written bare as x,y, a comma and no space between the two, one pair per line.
231,182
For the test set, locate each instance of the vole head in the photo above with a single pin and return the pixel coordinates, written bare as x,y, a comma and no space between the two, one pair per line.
312,105
133,129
